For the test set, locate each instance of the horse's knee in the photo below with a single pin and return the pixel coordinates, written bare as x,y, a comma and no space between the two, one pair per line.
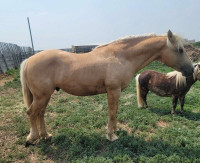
41,113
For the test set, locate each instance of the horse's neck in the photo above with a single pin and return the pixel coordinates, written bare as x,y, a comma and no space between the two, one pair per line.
190,80
144,52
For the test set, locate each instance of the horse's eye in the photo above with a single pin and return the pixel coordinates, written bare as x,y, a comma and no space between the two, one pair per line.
180,50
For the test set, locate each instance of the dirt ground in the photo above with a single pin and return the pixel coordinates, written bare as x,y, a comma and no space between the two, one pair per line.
194,53
5,78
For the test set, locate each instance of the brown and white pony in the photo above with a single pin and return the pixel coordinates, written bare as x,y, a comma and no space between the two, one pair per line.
107,69
172,84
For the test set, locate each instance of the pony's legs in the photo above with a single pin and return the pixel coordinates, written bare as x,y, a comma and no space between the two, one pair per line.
174,101
182,100
41,123
113,98
33,112
144,93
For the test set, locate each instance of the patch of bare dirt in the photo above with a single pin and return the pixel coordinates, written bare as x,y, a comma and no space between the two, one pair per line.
8,91
162,124
193,53
127,96
124,127
34,158
7,139
4,78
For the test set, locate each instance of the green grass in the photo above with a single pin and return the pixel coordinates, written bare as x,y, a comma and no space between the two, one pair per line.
78,128
197,44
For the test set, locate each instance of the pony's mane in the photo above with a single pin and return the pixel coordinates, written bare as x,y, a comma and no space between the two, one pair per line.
179,39
196,72
180,79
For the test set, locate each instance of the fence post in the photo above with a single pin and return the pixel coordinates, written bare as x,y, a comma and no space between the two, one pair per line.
5,62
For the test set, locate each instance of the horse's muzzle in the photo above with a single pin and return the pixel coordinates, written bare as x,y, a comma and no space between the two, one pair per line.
188,71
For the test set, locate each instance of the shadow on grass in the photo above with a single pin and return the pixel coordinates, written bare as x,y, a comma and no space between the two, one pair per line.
191,115
70,144
187,113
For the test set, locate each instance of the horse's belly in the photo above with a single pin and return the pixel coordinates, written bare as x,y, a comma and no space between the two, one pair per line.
79,90
161,92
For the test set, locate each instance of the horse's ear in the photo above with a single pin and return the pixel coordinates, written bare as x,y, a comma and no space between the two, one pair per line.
171,37
169,34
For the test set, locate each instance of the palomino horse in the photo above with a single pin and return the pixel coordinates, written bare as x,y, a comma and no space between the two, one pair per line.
172,84
107,69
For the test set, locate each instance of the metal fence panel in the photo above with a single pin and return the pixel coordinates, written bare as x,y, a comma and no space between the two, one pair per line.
11,55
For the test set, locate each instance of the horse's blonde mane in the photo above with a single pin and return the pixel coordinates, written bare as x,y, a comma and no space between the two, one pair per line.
129,38
180,79
180,42
179,39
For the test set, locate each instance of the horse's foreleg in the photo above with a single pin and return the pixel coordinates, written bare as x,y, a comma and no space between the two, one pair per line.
182,100
113,98
174,103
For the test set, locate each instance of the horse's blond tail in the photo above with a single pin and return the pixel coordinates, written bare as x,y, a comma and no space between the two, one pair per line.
27,95
139,97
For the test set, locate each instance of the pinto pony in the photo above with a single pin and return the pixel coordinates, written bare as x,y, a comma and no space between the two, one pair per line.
107,69
172,84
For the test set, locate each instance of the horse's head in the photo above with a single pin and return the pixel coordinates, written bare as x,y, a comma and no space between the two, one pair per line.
197,71
174,55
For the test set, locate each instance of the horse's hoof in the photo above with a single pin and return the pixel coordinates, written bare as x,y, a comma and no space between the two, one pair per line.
112,137
28,143
48,139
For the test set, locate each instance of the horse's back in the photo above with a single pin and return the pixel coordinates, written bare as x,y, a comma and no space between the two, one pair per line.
157,82
152,77
149,77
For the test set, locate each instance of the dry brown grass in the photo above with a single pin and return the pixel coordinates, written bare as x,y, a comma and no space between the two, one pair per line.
162,124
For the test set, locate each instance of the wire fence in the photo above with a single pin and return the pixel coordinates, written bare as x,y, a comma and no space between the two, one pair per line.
11,55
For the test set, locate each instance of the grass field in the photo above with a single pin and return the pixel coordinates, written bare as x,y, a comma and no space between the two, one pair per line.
78,128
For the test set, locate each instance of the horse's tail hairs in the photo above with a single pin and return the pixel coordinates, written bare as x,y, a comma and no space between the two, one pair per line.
27,95
139,97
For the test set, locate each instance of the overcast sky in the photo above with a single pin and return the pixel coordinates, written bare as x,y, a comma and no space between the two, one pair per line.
61,23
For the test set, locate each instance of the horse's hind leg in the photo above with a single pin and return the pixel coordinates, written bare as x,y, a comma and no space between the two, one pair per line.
113,98
182,100
41,123
144,93
33,112
174,101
